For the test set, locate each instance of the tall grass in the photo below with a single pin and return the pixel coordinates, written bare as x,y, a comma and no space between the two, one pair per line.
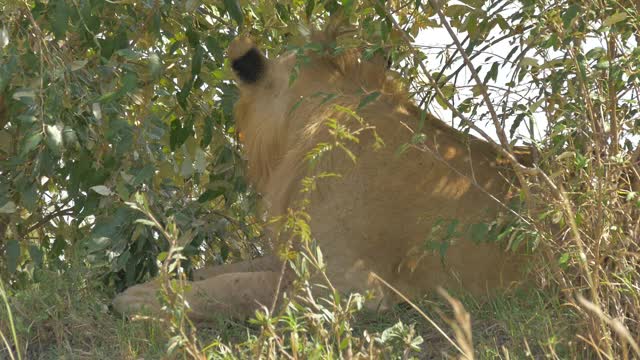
14,351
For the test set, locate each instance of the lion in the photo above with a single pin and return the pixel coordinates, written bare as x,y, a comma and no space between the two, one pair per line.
379,212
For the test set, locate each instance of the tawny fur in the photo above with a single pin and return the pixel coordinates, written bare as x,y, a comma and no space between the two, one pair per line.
378,214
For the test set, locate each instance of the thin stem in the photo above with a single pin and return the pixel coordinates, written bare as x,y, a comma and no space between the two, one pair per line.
474,73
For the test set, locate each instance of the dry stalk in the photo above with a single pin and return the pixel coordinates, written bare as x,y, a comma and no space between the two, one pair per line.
461,323
504,148
462,351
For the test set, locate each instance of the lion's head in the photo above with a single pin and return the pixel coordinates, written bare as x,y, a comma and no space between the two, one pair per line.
272,92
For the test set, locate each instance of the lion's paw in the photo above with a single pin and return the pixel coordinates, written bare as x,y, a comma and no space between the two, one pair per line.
136,299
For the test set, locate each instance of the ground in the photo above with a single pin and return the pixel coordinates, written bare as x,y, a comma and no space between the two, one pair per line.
64,317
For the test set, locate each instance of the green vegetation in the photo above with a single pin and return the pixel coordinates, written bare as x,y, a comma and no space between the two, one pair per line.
119,162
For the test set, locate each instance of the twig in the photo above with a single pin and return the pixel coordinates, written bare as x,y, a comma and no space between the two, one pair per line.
615,324
474,73
47,218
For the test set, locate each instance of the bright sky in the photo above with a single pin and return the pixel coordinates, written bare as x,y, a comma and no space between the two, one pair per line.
432,40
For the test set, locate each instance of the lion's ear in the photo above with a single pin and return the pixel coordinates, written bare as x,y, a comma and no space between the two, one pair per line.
247,62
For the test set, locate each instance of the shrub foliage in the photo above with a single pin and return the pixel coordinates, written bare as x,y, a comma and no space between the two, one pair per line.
102,101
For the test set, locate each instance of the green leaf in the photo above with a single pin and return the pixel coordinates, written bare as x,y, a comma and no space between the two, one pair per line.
162,256
155,66
402,149
58,246
208,132
564,259
184,93
70,139
418,138
36,255
210,195
423,117
492,73
528,61
569,15
308,8
582,65
516,123
328,97
108,97
476,89
603,64
451,229
479,232
31,143
534,106
347,5
98,243
129,54
234,10
29,196
615,18
129,83
200,161
595,53
368,99
196,62
77,65
186,168
8,208
24,95
191,5
193,37
59,19
457,10
448,90
178,135
476,4
283,12
121,261
13,255
297,104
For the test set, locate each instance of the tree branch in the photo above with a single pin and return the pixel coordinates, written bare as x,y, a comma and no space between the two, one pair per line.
47,218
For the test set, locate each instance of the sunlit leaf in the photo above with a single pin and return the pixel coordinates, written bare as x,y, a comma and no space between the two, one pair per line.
54,138
102,190
8,208
146,222
77,65
528,61
615,18
4,37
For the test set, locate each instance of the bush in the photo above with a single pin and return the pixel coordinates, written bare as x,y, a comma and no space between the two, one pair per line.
108,104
